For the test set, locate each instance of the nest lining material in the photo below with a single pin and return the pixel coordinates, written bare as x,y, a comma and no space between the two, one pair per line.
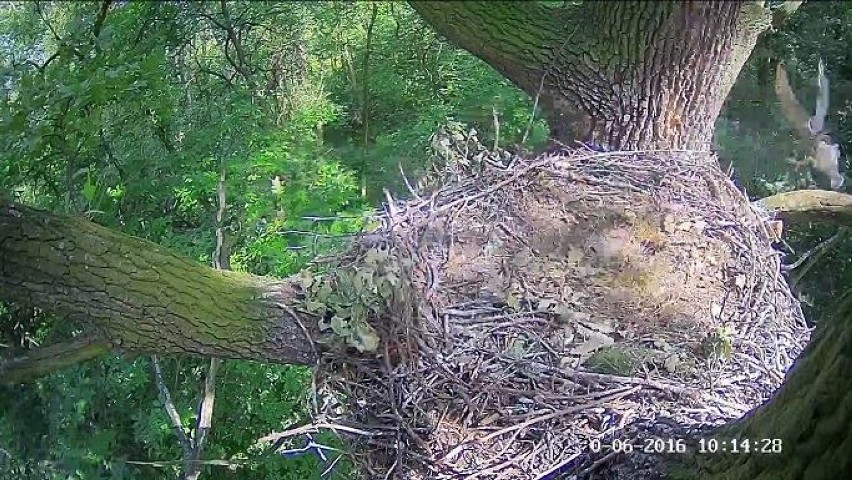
574,296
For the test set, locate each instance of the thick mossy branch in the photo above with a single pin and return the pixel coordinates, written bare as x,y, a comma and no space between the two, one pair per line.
142,297
802,206
41,361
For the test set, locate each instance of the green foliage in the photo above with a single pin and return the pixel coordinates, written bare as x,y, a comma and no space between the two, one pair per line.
104,413
413,82
126,131
292,178
346,298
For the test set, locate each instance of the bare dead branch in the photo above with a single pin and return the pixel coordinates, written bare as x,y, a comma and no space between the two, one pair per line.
313,428
813,256
816,124
793,110
205,420
824,152
169,406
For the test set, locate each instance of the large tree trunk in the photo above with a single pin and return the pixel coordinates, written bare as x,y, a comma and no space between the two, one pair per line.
805,431
625,75
141,297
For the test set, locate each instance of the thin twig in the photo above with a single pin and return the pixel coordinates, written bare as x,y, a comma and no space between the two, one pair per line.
314,428
303,327
496,128
598,463
819,250
171,463
541,84
169,406
410,188
560,413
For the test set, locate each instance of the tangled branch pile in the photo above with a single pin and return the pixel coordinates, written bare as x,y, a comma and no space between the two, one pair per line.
542,303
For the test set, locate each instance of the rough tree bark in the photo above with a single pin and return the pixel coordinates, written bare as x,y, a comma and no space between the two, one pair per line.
142,298
810,418
626,75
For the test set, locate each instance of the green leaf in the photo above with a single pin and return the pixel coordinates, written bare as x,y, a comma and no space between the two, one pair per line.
315,306
343,311
512,301
306,279
384,288
89,190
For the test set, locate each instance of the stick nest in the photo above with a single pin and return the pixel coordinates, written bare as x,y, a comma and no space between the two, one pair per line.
551,301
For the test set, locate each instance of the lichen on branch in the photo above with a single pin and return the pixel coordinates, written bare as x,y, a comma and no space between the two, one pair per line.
139,296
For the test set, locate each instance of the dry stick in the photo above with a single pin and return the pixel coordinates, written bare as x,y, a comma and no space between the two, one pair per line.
205,418
819,250
169,407
295,317
171,463
496,187
315,369
410,188
220,213
560,413
541,85
313,428
208,397
496,128
534,108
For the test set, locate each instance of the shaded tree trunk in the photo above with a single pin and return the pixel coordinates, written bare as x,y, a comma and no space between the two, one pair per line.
626,75
141,297
809,420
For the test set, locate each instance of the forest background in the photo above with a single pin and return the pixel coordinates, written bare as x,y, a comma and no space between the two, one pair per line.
130,116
